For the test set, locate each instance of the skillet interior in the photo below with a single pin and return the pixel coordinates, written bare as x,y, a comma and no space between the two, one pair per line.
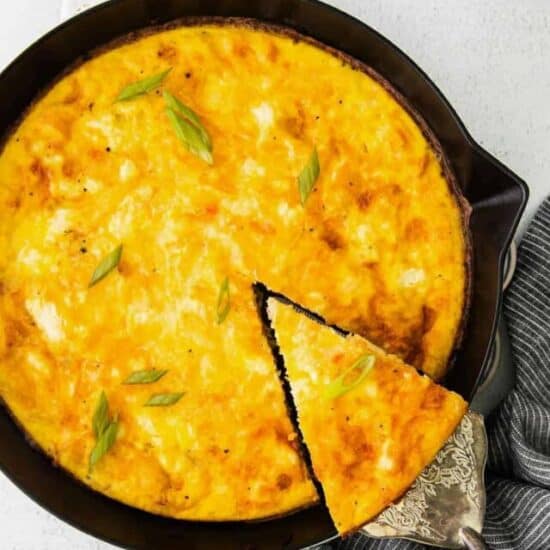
496,195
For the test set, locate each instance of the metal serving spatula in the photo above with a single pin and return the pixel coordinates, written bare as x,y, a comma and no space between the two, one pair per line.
446,505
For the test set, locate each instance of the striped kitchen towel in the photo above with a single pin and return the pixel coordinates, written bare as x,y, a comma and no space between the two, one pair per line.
518,469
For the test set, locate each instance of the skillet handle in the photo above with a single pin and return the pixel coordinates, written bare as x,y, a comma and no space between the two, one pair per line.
500,378
500,196
471,539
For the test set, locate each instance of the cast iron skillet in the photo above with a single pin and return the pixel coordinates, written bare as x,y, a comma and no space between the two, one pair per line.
497,197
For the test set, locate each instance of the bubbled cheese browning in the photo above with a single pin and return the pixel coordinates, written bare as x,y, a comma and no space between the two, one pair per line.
377,247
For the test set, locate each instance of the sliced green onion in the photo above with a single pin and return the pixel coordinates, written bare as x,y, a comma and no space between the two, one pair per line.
188,128
184,111
224,302
103,444
142,87
308,176
105,431
106,265
339,387
163,399
100,419
145,376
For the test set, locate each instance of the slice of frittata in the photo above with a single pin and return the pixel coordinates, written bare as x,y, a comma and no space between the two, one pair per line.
371,423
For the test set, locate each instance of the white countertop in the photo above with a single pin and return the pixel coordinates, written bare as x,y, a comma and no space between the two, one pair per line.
491,60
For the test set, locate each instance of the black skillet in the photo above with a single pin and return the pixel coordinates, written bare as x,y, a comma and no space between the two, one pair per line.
497,196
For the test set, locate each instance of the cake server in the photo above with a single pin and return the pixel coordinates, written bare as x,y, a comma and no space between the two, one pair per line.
446,505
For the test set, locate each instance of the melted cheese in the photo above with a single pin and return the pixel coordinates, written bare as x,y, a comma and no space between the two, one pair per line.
83,173
369,444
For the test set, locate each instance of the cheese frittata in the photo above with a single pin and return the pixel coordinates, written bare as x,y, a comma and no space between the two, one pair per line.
370,422
175,198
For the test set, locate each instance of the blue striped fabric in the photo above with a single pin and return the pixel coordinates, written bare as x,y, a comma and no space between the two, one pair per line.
518,470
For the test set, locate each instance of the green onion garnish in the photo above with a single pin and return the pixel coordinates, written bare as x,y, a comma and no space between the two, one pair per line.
103,444
339,387
163,399
184,111
145,376
142,87
188,128
308,176
100,419
106,265
105,431
224,302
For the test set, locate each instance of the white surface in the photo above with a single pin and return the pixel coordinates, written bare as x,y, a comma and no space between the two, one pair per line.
491,59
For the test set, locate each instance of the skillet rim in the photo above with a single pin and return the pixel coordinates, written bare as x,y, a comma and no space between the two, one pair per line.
474,146
272,29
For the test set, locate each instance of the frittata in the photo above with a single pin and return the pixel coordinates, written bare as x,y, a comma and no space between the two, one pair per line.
141,197
370,422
